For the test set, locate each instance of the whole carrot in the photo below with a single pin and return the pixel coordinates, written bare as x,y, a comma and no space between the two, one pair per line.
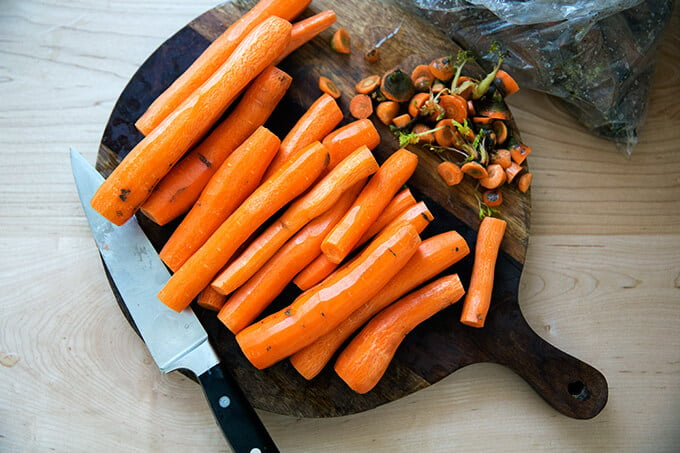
387,181
236,178
131,183
478,297
250,300
356,167
319,119
178,190
213,56
366,358
305,30
286,184
317,311
435,255
344,140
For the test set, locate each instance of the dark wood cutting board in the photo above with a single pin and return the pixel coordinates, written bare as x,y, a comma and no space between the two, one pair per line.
442,344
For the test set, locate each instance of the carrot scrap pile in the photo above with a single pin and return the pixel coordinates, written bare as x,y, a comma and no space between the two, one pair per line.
313,208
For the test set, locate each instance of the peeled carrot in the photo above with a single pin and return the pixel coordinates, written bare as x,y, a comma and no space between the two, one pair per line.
181,187
346,139
211,299
209,62
361,106
492,198
443,68
356,167
233,182
502,157
340,41
401,120
367,85
327,86
386,111
519,152
496,177
317,311
524,182
317,122
513,170
434,255
506,83
455,107
364,361
422,78
252,298
450,173
305,30
478,297
287,183
131,183
474,169
416,103
386,182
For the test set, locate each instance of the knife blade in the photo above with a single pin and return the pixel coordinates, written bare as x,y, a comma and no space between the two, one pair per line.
175,340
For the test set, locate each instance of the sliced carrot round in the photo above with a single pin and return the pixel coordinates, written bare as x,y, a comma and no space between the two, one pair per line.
455,107
450,173
368,84
492,198
340,41
474,169
361,106
327,86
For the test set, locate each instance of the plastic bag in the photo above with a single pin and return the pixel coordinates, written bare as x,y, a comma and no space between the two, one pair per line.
596,57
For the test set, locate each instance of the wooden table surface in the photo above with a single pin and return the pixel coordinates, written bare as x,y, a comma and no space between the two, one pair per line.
601,281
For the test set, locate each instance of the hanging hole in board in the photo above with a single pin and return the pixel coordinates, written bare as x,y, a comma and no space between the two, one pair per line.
578,390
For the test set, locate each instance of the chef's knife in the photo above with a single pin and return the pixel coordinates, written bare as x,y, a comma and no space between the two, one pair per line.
175,340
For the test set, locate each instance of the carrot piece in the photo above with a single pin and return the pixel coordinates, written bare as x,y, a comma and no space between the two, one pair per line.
478,298
328,87
372,56
397,86
401,120
506,83
424,133
131,183
434,255
502,157
519,152
438,87
450,173
443,68
318,310
367,85
482,120
444,133
501,131
492,198
318,121
322,267
211,299
386,182
346,139
356,167
287,183
455,107
251,299
361,106
233,182
422,78
474,169
496,177
513,170
524,182
341,42
386,111
364,361
416,104
307,29
181,187
209,62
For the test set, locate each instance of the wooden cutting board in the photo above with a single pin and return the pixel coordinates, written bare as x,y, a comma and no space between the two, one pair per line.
442,344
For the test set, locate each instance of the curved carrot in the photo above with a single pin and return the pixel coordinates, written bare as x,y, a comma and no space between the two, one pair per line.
181,187
450,173
474,169
198,271
305,30
346,139
250,300
236,178
496,177
478,297
317,122
317,311
364,361
131,183
209,62
356,167
391,176
211,299
361,106
434,255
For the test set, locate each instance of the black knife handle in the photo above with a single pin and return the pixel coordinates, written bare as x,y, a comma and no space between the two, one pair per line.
237,418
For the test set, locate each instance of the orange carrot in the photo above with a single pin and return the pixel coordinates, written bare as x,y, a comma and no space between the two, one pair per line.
513,170
455,107
474,169
496,177
233,182
364,361
209,62
386,111
346,139
251,299
501,132
424,133
444,133
416,103
478,298
519,152
450,173
291,180
328,87
356,167
401,120
502,157
422,78
443,68
131,183
367,85
179,189
386,182
211,299
524,182
506,83
492,198
434,255
319,310
340,42
319,120
361,106
305,30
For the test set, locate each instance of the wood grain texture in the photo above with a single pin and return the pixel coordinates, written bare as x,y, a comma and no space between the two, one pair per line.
604,287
